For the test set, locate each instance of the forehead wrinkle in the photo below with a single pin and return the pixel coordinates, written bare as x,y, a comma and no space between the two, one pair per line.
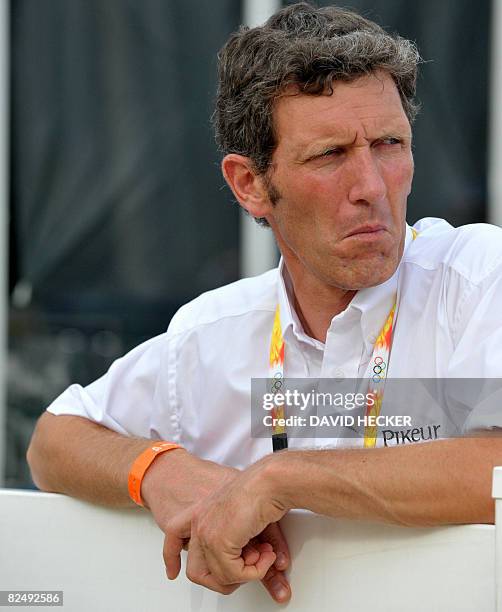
368,129
375,126
339,121
326,122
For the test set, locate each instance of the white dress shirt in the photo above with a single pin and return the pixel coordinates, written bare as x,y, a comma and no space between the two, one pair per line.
191,385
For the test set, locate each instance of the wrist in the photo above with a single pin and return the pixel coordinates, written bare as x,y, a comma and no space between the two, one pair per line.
144,472
275,479
177,479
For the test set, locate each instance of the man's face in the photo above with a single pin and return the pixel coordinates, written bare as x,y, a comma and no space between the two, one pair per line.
341,174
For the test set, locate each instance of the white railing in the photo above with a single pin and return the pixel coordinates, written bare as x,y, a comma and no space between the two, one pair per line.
107,560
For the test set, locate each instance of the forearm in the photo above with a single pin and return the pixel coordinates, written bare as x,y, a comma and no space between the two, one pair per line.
75,456
444,482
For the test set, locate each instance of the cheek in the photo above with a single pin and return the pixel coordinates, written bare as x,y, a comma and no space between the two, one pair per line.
304,197
406,170
319,195
302,214
399,178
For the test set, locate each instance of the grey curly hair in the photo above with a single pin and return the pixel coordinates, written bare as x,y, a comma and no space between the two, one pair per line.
310,48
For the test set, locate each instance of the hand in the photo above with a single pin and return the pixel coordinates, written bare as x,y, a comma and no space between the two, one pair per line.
174,486
234,536
177,481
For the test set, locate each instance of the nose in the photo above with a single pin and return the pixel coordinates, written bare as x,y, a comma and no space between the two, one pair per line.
367,183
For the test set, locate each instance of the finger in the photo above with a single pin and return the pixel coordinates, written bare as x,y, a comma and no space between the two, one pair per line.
230,568
197,571
273,534
171,553
257,548
276,584
250,552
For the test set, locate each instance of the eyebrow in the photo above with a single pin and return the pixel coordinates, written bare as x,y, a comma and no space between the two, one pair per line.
318,147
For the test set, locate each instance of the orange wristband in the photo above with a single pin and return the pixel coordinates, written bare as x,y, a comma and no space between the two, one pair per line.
140,466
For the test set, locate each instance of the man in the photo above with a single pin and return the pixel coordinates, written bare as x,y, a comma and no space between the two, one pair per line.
313,117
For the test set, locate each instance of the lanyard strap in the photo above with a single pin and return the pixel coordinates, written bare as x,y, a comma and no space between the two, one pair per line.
376,374
276,373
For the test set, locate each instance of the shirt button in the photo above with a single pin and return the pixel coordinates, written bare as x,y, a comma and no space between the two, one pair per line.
372,338
338,375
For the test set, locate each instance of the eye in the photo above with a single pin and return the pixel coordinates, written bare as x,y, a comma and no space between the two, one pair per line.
390,140
327,155
331,153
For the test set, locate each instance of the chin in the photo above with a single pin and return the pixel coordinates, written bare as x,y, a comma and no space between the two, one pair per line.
364,274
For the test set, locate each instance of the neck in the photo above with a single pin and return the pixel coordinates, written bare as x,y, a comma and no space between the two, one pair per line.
315,302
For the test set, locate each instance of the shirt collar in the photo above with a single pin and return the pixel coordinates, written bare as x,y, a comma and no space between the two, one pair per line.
290,322
372,304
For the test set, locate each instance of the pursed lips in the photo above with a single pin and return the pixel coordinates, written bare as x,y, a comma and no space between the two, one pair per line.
366,229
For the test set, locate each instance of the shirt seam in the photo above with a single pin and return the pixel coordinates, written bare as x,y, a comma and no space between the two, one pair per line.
217,320
459,315
172,395
476,283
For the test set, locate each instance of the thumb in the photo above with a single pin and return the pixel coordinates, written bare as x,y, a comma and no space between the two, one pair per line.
177,533
171,553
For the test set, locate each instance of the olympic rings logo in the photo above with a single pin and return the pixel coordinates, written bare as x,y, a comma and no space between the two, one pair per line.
379,370
277,382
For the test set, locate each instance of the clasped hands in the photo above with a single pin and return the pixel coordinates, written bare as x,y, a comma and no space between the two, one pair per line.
227,520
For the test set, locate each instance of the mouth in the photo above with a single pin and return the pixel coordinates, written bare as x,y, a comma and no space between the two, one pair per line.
367,231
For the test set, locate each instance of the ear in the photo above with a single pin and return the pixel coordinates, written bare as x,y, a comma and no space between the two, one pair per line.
247,186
